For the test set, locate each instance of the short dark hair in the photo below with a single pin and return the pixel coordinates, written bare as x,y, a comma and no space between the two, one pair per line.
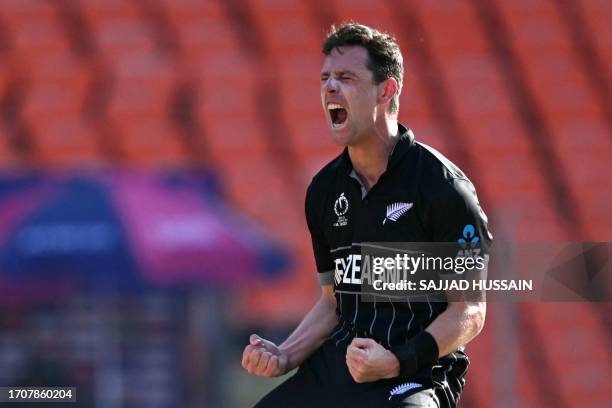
385,57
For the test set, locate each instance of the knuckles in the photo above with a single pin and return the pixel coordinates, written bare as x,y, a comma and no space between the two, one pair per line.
261,362
358,377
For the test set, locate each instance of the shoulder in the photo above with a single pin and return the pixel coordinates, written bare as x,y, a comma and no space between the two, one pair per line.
441,179
450,199
450,194
318,193
322,182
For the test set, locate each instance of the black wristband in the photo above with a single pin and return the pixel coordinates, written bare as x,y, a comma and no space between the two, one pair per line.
421,351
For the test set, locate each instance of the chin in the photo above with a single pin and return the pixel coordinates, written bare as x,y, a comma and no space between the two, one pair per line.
342,137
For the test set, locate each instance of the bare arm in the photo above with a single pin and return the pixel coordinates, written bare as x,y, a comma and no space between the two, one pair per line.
457,325
313,330
262,357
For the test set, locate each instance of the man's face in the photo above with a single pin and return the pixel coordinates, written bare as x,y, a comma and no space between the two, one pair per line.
348,94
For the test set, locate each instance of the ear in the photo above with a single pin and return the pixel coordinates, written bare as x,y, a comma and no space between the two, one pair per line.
387,90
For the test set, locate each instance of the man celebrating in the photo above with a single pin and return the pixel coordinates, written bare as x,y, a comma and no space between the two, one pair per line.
384,187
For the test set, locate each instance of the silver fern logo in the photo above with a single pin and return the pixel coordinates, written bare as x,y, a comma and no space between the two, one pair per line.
396,210
404,388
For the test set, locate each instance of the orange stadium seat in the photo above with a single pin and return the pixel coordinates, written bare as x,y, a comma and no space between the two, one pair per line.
258,188
59,84
7,156
311,135
109,9
294,64
140,107
285,27
63,141
508,167
5,77
118,27
225,65
233,135
26,10
558,82
143,85
52,110
202,27
226,88
33,37
299,83
122,35
299,87
598,14
232,85
414,104
582,371
228,95
366,12
486,386
227,107
415,108
151,142
33,31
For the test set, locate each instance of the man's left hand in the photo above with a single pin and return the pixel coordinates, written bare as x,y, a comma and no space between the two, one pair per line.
368,361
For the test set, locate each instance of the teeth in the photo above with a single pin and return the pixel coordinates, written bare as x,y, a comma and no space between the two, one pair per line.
334,106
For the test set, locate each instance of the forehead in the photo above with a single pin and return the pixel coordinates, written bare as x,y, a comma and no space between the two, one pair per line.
352,58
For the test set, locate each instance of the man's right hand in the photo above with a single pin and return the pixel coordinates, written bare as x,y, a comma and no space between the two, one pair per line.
263,358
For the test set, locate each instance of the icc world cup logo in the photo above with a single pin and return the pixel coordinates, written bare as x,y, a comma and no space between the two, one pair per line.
341,205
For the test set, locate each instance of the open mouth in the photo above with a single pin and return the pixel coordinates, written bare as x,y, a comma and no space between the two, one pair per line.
338,115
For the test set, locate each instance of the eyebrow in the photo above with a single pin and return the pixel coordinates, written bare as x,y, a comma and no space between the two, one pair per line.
339,73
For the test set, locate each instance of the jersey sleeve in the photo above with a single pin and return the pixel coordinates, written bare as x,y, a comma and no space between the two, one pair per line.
458,219
314,219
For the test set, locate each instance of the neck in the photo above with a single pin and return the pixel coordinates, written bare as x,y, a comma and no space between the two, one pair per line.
371,155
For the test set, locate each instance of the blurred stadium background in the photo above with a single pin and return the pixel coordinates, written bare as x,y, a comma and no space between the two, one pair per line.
154,156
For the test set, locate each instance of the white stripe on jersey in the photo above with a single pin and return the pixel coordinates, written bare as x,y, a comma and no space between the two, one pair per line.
339,330
374,319
390,324
356,308
411,317
342,339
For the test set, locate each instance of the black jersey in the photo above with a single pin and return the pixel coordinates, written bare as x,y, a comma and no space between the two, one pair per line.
436,202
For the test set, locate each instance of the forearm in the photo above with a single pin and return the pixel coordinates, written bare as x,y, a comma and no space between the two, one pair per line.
311,332
457,325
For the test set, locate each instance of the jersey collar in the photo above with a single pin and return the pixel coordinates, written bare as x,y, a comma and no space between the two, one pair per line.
404,143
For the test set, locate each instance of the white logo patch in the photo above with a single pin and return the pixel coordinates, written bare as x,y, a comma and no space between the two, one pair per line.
403,388
341,207
396,210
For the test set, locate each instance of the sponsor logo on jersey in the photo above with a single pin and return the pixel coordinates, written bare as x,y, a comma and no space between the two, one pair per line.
469,242
348,269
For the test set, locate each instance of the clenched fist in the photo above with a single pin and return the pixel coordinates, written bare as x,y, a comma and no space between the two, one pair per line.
368,361
263,358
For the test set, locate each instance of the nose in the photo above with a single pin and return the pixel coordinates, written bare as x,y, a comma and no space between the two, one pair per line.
331,85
